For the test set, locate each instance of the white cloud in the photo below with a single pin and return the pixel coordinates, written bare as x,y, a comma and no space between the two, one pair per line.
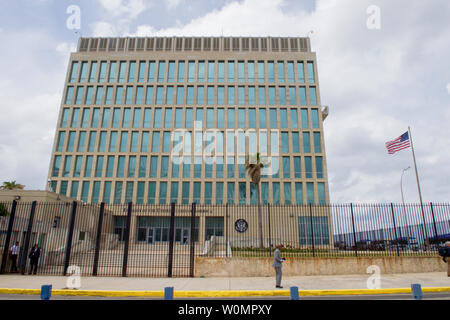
173,4
448,88
129,8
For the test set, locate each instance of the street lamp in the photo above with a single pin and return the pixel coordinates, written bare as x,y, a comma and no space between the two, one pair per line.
403,202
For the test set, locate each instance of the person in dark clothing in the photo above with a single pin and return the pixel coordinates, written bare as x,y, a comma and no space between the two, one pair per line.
34,258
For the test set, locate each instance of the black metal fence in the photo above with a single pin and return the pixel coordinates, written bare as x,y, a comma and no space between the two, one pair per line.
165,240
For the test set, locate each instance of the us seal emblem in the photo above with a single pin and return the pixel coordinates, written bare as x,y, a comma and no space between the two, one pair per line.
241,225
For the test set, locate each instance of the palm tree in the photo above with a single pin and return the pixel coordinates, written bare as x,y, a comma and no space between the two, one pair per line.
254,167
11,185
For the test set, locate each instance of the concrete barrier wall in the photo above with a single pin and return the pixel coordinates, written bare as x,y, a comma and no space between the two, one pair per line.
262,267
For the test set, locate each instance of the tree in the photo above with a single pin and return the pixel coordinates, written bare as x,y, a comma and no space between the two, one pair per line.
11,185
253,167
3,211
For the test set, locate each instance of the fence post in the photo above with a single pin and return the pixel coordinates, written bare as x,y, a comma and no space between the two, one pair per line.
354,232
226,230
192,243
171,236
270,231
434,220
70,237
99,238
312,230
8,237
127,240
28,238
395,230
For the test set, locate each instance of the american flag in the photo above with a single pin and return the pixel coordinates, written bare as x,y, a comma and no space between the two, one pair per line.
398,144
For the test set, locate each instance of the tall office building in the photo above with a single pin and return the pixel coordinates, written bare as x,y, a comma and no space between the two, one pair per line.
161,120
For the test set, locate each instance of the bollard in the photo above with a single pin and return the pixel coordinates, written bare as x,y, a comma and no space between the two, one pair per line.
416,291
294,293
168,293
46,292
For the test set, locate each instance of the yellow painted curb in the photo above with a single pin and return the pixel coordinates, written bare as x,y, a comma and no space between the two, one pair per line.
220,293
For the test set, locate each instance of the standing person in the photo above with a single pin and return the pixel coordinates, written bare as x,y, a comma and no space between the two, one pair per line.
277,264
34,258
14,253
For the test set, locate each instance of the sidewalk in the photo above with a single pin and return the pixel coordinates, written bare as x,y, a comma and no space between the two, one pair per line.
203,287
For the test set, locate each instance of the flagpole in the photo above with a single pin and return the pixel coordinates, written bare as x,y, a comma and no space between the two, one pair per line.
418,188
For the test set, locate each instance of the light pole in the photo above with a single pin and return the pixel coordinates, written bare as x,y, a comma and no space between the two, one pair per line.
403,202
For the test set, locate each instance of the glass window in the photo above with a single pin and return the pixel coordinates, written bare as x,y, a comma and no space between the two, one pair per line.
145,141
231,71
231,118
139,95
75,117
67,164
295,142
171,76
241,71
321,194
190,95
211,73
83,72
73,72
181,66
118,193
290,68
315,118
79,95
208,193
161,71
102,142
155,142
137,118
241,95
77,167
299,192
300,72
292,96
241,118
113,141
276,192
89,95
151,193
96,192
69,95
251,71
126,118
311,72
153,167
199,116
61,138
263,142
302,91
221,72
164,167
241,167
210,95
252,118
317,144
71,141
159,95
131,166
264,192
221,95
119,95
271,71
158,118
272,96
166,141
310,192
197,167
283,118
134,141
132,71
174,192
99,166
262,118
219,196
294,119
109,95
308,167
105,119
251,96
65,118
175,167
280,71
107,192
306,142
185,193
186,167
191,71
273,118
110,167
261,71
147,117
121,167
230,192
200,95
242,193
122,67
112,72
201,71
140,192
99,95
287,193
149,95
168,118
210,118
286,167
141,74
261,95
197,192
297,167
74,191
189,117
285,142
169,95
305,120
151,71
319,167
231,96
81,141
180,95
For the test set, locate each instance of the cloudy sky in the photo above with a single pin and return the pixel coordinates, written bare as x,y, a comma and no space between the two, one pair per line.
383,66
